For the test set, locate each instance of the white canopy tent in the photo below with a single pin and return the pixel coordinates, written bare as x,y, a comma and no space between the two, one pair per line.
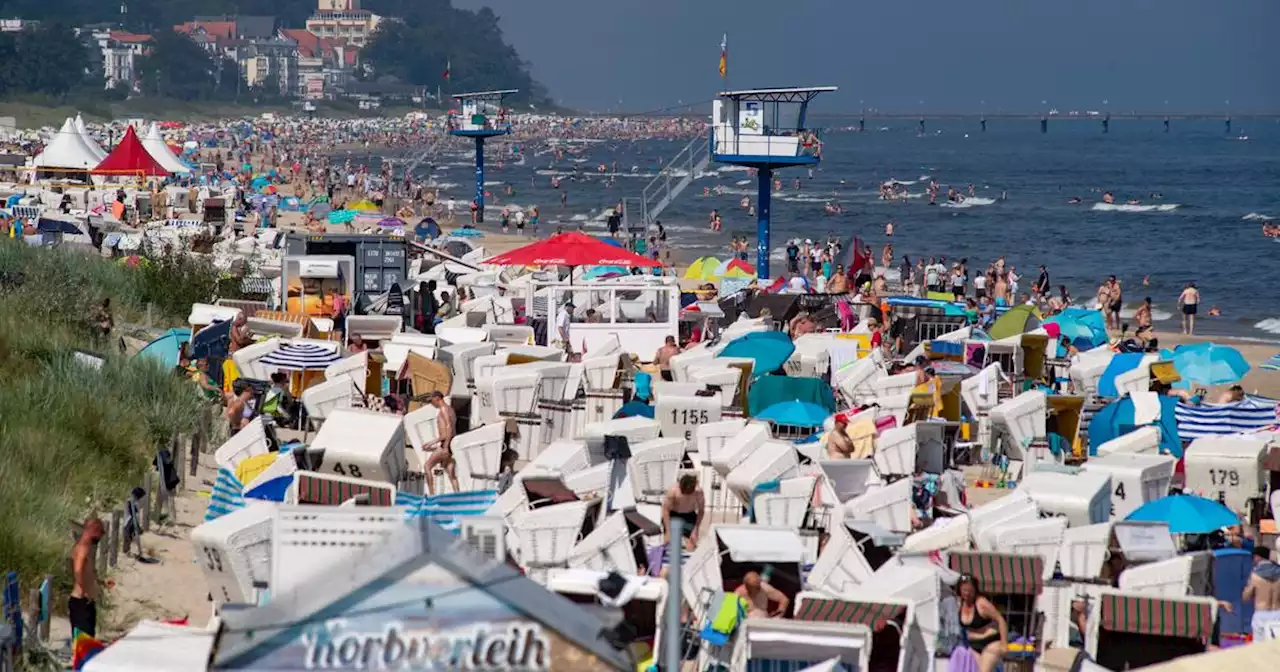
89,142
156,147
67,150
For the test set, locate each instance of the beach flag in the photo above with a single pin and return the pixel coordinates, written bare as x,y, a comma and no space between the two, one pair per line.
448,65
724,56
83,649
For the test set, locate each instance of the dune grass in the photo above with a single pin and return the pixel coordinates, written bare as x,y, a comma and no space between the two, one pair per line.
75,440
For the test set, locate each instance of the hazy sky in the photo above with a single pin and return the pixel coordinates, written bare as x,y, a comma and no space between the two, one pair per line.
950,54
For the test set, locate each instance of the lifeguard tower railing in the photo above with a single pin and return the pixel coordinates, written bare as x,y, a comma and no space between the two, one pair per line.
765,127
480,113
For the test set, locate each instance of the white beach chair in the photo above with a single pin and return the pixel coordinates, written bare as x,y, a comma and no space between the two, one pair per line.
606,548
654,467
251,440
548,535
478,454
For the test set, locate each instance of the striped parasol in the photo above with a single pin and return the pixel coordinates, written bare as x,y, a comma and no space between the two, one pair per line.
300,357
1272,364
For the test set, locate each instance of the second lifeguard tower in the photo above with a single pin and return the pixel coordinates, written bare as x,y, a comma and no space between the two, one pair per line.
765,129
480,115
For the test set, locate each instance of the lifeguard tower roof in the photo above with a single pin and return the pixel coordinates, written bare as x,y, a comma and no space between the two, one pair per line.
486,94
788,95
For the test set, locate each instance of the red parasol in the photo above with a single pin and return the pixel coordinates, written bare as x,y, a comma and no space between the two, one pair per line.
571,249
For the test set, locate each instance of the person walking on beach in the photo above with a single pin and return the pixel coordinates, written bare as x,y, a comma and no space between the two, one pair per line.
1110,301
1263,589
82,606
1188,302
446,428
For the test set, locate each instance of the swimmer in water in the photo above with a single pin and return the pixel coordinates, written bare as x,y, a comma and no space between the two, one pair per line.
1075,200
1108,198
888,229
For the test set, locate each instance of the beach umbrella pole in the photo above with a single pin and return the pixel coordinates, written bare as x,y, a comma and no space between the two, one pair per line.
672,636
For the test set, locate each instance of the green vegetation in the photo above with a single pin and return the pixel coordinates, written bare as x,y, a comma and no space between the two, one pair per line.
434,34
75,440
48,59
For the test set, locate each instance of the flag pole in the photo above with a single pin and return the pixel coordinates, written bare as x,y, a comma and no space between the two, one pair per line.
724,62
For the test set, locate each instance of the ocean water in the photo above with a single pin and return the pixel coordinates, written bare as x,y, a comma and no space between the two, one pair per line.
1204,196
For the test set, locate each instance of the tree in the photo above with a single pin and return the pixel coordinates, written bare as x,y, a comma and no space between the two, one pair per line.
178,68
47,59
432,34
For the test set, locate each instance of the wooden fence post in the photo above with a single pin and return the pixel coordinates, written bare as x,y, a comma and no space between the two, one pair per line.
146,503
114,538
195,454
46,615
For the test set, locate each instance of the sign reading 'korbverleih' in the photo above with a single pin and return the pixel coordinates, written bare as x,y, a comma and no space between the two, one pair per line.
515,646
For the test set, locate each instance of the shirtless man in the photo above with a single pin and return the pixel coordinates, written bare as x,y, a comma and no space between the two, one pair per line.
446,427
1188,302
663,357
839,445
1263,589
240,336
686,502
82,607
758,595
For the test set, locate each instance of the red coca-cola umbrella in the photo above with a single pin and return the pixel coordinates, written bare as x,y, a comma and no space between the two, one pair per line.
571,249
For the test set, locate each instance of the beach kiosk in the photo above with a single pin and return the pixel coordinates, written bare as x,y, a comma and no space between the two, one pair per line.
764,129
480,115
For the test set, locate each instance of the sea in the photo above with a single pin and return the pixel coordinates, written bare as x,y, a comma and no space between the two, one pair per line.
1204,194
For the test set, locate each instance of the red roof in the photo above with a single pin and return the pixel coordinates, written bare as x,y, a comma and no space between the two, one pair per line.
128,37
130,158
571,249
223,30
310,45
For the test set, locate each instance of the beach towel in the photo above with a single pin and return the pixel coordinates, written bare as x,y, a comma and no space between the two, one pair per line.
863,435
251,467
1250,414
1146,407
962,660
728,614
227,495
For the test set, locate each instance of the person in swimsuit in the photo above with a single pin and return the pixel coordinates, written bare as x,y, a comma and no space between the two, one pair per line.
1189,301
686,502
984,626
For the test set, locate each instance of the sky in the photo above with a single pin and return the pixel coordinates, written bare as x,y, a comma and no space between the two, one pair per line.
906,57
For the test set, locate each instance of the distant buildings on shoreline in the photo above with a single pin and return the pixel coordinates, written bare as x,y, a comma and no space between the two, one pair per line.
315,62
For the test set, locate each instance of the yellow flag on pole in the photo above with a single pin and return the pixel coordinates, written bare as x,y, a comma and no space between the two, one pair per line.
724,56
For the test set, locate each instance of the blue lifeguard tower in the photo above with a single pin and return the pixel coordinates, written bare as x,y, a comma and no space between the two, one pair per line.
764,129
480,115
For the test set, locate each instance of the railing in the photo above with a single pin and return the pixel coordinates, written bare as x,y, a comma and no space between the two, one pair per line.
672,179
726,139
462,122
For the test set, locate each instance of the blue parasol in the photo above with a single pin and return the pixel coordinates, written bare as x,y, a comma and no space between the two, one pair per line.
167,347
1186,514
795,414
1210,364
770,350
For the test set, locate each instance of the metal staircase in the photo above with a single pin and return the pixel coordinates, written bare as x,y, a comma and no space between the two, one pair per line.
673,178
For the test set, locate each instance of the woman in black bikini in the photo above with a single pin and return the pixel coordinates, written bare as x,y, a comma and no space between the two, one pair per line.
984,626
